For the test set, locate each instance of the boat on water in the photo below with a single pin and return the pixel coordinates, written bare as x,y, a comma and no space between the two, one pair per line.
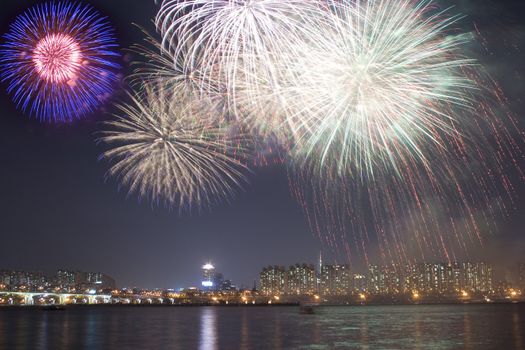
53,307
307,308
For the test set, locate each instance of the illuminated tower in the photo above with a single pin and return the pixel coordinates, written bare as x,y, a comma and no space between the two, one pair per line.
319,269
208,275
521,276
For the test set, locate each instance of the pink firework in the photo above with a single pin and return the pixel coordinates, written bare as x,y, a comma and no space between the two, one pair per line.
57,58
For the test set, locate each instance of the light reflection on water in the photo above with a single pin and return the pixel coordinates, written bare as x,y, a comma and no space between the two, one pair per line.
519,323
208,338
475,327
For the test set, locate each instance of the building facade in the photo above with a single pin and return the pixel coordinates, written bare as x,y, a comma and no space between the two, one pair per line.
335,280
386,279
431,278
67,279
301,280
359,283
64,280
477,277
23,279
95,280
208,276
272,280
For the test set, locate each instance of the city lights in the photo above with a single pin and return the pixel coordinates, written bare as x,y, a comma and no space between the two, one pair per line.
464,282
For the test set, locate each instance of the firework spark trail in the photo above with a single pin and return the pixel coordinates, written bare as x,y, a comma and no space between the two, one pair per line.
59,61
234,44
174,145
374,91
162,69
396,132
172,149
390,126
467,189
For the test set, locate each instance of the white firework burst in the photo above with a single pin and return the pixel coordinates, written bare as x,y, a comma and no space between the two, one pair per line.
172,148
234,43
384,81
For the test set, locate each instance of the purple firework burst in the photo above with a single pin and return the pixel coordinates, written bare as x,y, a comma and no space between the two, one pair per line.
59,60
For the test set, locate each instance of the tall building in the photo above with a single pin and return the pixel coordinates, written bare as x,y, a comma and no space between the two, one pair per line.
335,280
451,278
477,277
359,283
435,278
208,276
430,278
301,280
23,279
217,280
227,285
66,279
387,279
95,280
272,280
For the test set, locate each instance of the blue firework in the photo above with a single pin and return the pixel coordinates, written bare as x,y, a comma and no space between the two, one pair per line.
59,60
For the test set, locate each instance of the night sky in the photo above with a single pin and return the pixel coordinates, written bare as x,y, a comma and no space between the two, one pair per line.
58,211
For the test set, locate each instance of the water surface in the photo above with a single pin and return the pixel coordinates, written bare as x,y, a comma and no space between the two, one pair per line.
476,327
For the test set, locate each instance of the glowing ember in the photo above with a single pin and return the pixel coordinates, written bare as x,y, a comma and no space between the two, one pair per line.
57,58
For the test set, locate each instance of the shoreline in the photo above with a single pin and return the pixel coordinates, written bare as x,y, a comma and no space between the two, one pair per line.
80,306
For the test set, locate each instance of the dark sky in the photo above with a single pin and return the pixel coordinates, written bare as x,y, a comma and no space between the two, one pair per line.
58,212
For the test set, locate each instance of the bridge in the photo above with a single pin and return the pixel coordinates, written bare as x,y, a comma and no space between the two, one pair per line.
29,298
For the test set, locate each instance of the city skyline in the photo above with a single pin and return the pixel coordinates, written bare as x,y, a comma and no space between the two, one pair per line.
328,284
304,278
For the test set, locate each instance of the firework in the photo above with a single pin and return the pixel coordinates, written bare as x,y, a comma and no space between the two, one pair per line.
398,144
172,149
382,80
234,43
393,136
59,61
412,215
161,69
